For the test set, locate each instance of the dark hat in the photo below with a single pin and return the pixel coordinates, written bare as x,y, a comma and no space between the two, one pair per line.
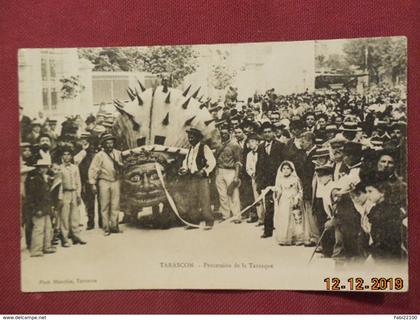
195,131
52,121
310,113
322,115
267,125
253,136
352,148
392,152
106,137
249,123
309,136
44,135
66,148
296,125
90,119
221,124
371,178
401,125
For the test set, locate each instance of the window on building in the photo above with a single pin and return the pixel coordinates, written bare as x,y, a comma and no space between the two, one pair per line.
45,103
52,69
53,99
44,69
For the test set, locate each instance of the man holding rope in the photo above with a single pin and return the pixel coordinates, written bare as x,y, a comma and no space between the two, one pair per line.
197,165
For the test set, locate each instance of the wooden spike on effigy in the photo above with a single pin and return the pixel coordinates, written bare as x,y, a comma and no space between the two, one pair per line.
185,104
168,98
141,86
186,91
195,94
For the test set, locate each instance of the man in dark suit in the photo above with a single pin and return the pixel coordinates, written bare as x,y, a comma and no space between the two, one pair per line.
294,152
347,219
83,159
307,174
39,209
340,169
270,155
245,189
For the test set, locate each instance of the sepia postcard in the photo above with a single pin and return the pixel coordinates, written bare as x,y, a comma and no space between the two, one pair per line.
263,166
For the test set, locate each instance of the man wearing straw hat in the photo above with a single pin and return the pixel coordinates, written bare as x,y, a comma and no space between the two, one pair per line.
38,201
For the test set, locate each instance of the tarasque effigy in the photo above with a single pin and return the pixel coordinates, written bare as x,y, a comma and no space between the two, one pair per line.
151,132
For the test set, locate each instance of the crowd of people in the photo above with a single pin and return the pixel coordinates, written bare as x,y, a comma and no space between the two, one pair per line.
318,169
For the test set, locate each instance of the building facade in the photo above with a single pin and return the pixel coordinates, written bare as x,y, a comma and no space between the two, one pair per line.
41,72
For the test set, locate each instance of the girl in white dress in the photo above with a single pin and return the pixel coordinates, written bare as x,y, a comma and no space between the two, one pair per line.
288,217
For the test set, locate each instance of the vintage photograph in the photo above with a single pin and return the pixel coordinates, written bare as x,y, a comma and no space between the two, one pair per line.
264,166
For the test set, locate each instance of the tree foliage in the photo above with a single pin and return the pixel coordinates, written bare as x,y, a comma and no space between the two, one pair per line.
71,87
378,56
222,73
337,62
107,59
177,61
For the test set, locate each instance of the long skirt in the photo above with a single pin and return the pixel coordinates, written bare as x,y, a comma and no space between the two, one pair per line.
288,222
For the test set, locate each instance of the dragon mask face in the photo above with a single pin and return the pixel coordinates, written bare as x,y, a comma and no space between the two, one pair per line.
142,185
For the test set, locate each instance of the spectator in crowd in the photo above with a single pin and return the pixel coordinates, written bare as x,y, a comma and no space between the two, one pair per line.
38,201
105,170
385,220
271,154
70,198
33,136
44,148
84,159
288,216
257,214
228,167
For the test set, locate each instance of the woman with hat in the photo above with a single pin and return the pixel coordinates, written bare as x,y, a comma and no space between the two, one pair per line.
385,220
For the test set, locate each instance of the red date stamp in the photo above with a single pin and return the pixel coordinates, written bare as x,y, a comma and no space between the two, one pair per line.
361,284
